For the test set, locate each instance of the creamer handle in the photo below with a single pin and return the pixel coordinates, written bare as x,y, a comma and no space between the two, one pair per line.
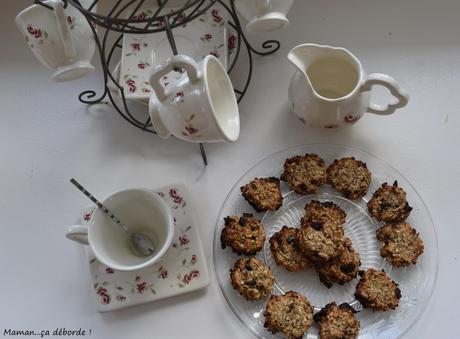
384,80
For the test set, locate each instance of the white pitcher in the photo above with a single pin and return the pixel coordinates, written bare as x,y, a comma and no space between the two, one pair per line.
330,88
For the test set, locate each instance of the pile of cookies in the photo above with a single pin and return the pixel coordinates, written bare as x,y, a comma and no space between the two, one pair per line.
320,244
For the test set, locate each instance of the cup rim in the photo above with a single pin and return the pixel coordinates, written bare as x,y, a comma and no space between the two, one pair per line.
225,134
166,245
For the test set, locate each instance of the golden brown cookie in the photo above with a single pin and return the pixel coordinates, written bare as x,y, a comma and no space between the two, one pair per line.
328,215
251,278
324,212
342,268
337,322
389,204
402,244
244,235
350,177
291,314
304,174
375,290
285,251
263,194
316,246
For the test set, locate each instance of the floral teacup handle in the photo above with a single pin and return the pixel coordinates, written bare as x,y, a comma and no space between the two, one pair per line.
390,83
181,61
78,233
63,28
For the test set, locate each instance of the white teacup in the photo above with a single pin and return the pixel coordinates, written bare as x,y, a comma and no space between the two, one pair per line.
142,211
61,39
264,15
199,106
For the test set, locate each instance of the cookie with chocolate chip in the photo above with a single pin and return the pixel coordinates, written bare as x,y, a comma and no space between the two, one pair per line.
389,204
350,177
375,290
290,314
304,174
342,268
327,214
244,235
252,279
264,194
316,246
285,251
337,322
402,244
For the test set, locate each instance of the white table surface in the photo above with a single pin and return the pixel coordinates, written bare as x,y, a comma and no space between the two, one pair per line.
47,136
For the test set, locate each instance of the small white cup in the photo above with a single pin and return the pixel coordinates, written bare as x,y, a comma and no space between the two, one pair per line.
142,211
61,39
264,15
199,105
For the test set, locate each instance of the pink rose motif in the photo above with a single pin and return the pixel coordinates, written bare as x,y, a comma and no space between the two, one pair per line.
37,33
141,65
206,37
175,196
109,270
131,85
105,297
136,46
141,287
145,90
194,259
87,216
120,297
191,130
184,240
190,276
141,16
158,24
215,53
70,20
232,42
163,273
180,18
216,16
351,119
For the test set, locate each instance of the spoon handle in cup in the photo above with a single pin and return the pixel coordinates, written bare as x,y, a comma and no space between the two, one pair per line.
99,204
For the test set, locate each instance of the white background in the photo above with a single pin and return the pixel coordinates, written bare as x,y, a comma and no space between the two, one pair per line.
47,136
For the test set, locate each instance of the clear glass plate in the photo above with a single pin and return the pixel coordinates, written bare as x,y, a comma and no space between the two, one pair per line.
416,282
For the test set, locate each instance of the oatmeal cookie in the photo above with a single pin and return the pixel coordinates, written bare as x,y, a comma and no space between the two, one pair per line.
327,214
389,204
304,174
402,244
350,177
375,290
263,194
285,251
290,314
316,246
342,268
251,278
337,322
244,235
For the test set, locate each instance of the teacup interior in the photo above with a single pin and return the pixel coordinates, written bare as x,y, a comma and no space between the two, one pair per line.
333,77
223,100
141,212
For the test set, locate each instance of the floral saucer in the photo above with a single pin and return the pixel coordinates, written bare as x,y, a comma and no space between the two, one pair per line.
198,38
182,270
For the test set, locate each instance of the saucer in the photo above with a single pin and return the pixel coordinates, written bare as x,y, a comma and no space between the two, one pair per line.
205,35
182,270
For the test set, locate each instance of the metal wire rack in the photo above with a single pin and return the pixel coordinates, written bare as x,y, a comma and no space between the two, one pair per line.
123,17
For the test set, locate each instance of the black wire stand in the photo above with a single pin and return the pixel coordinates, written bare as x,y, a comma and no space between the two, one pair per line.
122,18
